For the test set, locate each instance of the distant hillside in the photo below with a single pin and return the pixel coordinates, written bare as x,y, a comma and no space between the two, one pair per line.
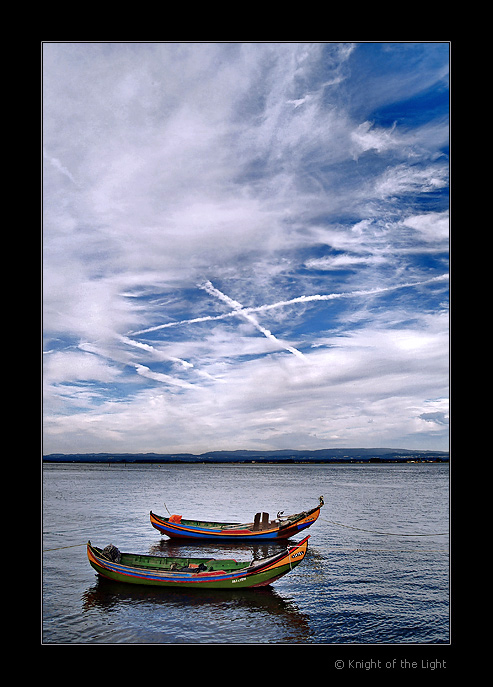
327,455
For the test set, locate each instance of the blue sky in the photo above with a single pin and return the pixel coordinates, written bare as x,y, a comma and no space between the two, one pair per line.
245,246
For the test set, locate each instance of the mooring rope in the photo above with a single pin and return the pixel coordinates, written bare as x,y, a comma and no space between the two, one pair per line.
332,522
388,534
359,549
64,547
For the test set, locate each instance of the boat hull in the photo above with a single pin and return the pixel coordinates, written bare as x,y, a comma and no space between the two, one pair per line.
186,529
256,574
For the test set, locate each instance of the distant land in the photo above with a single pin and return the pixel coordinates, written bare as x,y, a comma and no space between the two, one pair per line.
325,455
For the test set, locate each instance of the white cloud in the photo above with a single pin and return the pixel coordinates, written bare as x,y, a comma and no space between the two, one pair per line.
432,226
343,262
73,366
405,179
372,374
368,137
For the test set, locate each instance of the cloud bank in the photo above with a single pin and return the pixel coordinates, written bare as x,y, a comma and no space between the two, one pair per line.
245,246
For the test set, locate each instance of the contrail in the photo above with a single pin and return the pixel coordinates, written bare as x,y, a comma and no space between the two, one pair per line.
160,377
246,314
158,354
347,294
205,318
142,369
163,356
299,299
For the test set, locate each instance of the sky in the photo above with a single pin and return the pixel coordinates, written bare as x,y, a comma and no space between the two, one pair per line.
245,246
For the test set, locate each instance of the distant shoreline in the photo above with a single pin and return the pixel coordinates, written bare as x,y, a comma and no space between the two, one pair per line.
322,456
247,462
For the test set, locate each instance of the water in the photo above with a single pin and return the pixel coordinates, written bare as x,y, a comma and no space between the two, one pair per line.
364,581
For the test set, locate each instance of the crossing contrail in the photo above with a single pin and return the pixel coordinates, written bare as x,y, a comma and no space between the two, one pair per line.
300,299
243,312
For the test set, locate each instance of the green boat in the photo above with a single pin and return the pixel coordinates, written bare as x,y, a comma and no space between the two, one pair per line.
193,573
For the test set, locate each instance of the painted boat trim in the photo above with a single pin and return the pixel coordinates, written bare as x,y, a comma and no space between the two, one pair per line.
286,528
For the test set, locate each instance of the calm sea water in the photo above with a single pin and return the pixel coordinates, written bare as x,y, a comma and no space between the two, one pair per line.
376,573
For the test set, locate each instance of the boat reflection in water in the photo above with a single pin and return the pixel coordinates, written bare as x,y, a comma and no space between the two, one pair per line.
155,615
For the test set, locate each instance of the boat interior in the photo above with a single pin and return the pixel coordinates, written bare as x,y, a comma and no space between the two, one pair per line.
168,563
260,522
